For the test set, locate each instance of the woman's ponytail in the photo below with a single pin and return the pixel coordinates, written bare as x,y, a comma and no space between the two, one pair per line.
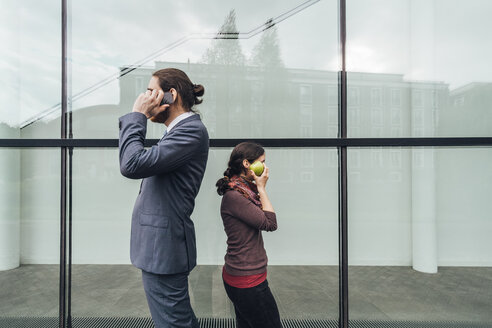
223,183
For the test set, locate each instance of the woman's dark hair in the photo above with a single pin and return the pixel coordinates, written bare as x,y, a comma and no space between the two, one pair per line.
245,150
177,79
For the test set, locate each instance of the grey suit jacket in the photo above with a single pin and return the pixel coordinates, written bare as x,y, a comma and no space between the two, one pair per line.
163,234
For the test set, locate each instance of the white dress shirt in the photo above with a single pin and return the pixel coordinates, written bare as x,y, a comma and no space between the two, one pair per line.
179,119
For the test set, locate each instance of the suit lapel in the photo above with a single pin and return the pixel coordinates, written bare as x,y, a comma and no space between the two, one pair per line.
188,119
165,132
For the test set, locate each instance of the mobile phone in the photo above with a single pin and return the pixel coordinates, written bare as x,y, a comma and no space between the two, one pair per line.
167,99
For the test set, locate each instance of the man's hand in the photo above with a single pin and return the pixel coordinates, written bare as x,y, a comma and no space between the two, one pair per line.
148,103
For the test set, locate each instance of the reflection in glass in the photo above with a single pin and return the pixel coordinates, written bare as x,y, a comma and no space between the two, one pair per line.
423,64
254,75
31,67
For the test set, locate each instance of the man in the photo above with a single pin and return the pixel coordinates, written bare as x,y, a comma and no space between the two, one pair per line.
163,242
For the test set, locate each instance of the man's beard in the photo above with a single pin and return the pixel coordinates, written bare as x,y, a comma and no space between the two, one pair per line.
161,117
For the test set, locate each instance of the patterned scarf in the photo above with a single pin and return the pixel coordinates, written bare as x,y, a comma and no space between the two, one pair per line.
247,188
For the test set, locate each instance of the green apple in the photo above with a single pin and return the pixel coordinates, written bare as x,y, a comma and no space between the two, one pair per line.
257,167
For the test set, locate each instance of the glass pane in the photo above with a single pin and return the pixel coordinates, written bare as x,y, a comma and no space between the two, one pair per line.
303,257
257,82
302,253
29,235
422,68
419,234
30,58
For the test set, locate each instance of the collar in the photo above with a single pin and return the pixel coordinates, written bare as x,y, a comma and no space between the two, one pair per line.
178,119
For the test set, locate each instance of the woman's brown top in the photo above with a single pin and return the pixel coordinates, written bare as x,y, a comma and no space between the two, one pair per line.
243,223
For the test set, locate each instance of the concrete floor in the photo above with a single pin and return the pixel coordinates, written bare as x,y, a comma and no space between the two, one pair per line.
375,293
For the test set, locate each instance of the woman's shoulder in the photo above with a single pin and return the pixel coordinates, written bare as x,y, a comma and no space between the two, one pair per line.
231,194
229,201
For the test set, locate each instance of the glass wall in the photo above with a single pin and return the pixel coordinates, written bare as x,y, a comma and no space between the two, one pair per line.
30,58
29,232
419,234
418,217
302,252
256,82
418,68
256,86
419,222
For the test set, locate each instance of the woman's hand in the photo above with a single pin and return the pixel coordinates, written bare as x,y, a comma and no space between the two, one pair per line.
262,179
148,103
261,184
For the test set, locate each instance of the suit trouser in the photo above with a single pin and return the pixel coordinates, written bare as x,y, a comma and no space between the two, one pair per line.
169,301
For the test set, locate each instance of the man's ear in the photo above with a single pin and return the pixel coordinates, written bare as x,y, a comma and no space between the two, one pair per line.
174,93
246,163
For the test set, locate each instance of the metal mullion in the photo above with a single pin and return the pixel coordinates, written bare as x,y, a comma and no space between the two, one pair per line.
63,238
275,143
70,189
343,320
63,178
69,101
343,238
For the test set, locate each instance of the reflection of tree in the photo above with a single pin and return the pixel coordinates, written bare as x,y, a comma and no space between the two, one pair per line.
226,50
225,68
267,52
273,78
256,93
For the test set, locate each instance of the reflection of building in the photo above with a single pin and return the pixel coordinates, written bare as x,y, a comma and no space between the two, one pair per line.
251,102
468,112
238,99
384,183
255,102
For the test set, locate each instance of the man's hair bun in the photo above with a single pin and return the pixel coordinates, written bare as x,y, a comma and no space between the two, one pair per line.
198,91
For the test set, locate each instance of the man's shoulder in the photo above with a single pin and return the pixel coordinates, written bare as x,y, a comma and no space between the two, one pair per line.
192,124
132,117
193,120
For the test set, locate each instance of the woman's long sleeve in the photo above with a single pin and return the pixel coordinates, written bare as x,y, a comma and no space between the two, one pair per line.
242,208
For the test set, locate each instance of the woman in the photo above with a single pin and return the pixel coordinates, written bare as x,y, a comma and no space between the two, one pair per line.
246,211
